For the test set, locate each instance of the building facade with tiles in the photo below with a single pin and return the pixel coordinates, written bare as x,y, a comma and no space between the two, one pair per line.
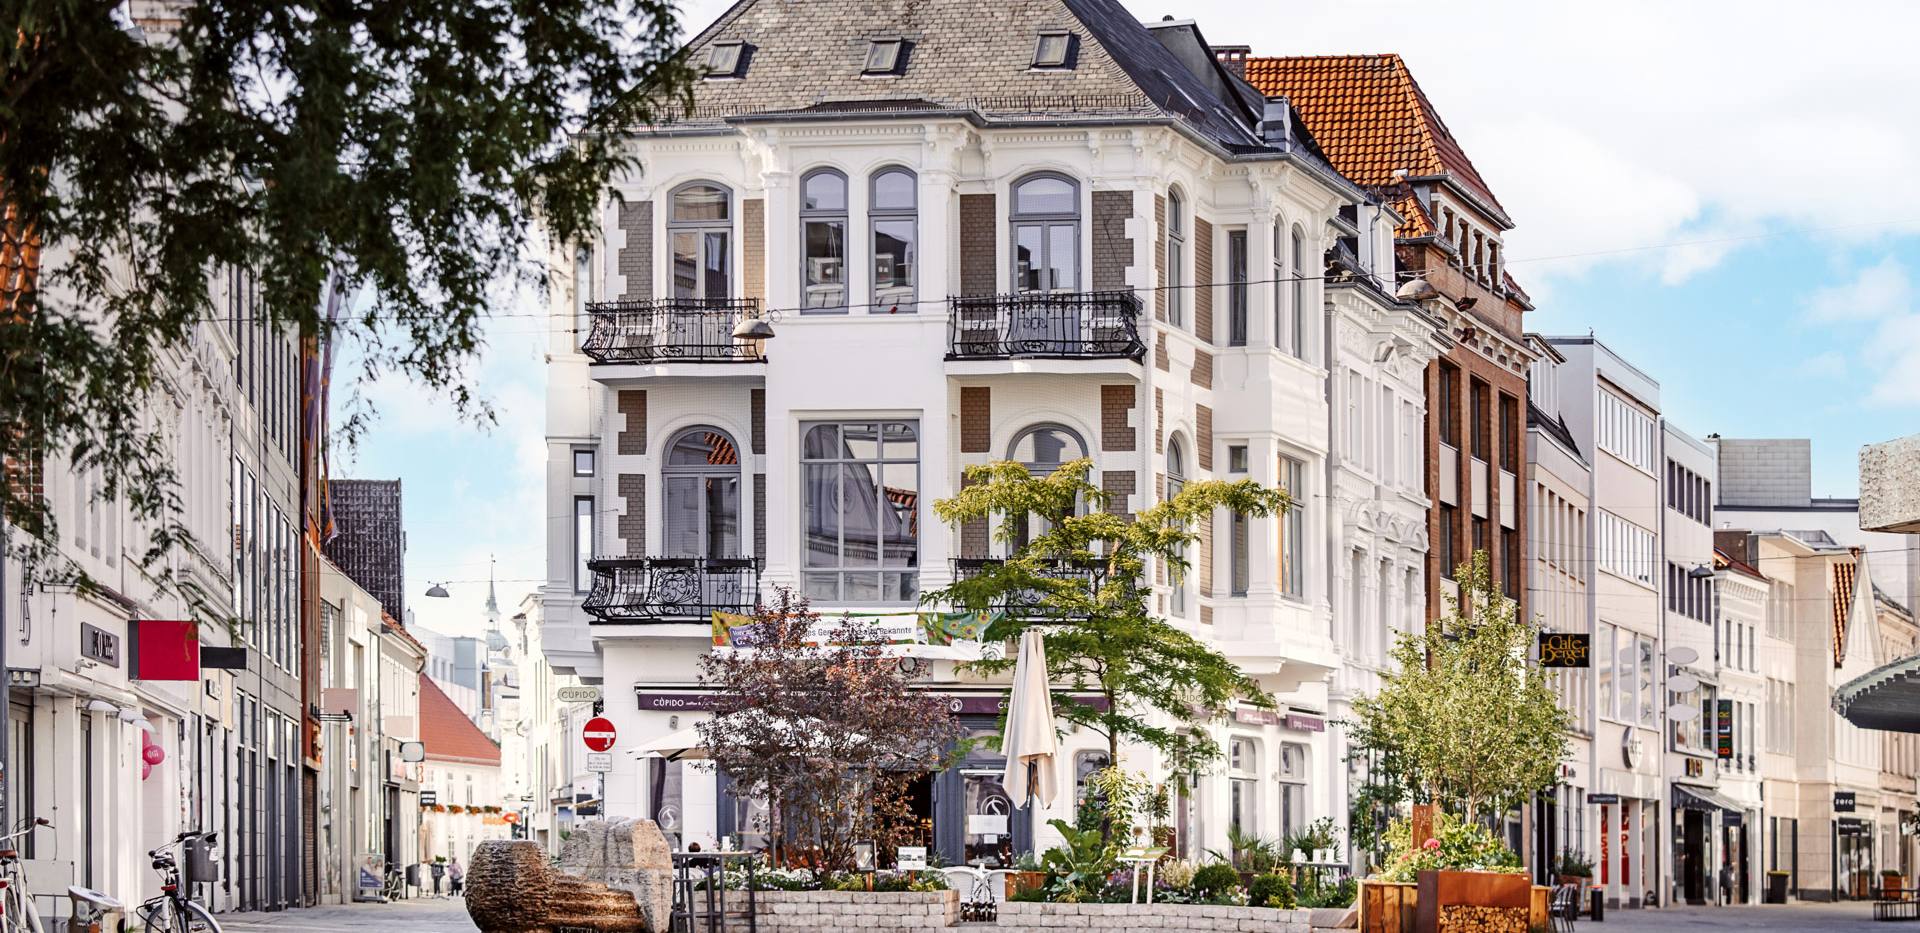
1031,232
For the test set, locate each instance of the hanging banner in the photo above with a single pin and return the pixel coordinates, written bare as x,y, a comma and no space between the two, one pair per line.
1723,730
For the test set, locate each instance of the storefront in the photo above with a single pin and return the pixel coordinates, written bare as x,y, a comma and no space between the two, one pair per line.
1704,822
1853,862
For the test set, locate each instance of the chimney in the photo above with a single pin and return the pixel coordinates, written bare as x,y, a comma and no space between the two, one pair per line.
1234,57
1276,127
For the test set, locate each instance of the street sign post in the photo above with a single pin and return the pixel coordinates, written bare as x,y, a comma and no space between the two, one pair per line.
583,694
598,734
599,762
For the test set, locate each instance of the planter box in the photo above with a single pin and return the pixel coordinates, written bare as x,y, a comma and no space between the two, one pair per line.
1046,916
887,911
1473,902
1386,906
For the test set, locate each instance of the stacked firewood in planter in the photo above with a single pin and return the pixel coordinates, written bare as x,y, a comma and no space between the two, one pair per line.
1469,918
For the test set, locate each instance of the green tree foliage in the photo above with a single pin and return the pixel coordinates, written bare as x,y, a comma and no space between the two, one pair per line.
1464,717
401,149
1082,576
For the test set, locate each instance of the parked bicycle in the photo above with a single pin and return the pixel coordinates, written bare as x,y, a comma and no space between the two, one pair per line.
17,912
175,910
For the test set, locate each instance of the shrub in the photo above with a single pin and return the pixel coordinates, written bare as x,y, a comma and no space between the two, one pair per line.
1213,882
1078,871
1336,895
1573,865
1271,891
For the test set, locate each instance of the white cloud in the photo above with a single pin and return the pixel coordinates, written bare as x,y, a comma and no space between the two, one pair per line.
1879,291
1831,364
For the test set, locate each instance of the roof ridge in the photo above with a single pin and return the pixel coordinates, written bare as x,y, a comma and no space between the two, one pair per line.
1403,77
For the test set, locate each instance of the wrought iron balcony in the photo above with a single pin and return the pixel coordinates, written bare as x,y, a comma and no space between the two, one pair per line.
1046,325
669,330
670,589
1029,604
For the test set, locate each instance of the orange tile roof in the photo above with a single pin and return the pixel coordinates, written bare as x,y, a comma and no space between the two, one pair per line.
448,734
1372,120
1843,581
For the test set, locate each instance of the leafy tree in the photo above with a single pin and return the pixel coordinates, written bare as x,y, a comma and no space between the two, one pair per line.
1082,575
1464,717
827,735
400,147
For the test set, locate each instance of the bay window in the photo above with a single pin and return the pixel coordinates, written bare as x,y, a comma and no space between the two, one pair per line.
860,504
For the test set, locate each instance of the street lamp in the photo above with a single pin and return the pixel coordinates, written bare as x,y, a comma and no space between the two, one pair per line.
437,591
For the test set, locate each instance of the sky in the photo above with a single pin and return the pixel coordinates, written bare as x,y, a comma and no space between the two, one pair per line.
1727,194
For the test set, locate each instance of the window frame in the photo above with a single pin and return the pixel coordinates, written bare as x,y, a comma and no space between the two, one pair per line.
1292,526
1063,62
702,230
1298,323
893,63
670,470
841,569
1176,479
1045,221
1175,255
1239,298
809,216
877,215
584,539
731,53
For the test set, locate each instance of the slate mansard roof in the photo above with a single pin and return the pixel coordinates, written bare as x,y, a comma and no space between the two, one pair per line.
803,59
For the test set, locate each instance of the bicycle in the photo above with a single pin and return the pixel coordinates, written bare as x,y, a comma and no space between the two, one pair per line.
17,911
175,910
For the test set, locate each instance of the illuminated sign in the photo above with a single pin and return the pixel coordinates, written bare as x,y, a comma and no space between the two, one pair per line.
1566,649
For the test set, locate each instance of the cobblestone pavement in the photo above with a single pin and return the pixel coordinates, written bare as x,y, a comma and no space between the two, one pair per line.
416,915
1824,918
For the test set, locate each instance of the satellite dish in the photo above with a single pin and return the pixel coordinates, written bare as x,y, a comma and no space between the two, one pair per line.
1683,683
1683,712
413,751
1682,655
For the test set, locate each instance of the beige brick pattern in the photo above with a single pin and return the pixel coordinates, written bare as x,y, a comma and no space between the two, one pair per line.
1206,615
976,419
978,229
1160,262
1203,435
1203,272
973,532
1205,564
633,437
753,249
1159,423
632,525
1160,359
1116,410
759,516
757,417
1112,248
636,258
1202,372
1119,485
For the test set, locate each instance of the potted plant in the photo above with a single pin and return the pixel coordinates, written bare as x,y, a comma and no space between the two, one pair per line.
1573,868
1890,883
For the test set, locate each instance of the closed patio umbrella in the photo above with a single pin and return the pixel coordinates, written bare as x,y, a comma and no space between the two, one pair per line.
1030,743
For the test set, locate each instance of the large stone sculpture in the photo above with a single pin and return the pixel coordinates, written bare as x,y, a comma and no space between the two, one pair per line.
613,877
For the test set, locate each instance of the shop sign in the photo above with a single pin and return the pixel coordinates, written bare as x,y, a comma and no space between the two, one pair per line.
910,858
1852,827
1843,801
675,702
975,704
165,649
1603,798
1723,730
1696,768
99,644
1254,716
1566,649
429,797
579,694
1299,723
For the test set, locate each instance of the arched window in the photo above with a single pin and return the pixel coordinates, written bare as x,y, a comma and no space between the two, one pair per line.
700,226
700,489
1299,303
892,214
1175,251
1046,234
823,238
1176,480
1042,449
1282,315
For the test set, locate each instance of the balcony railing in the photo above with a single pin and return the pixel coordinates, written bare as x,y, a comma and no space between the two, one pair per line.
1046,325
671,589
670,330
1028,604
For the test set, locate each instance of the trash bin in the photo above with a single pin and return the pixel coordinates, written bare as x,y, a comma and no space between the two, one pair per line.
200,860
1597,904
1776,887
413,876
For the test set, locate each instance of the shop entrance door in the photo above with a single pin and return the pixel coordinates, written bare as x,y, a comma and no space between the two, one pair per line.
974,821
1693,856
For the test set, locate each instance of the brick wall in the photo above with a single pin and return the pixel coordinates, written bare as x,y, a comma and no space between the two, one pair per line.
632,525
1116,410
1203,272
1202,372
636,258
1159,421
1160,260
1112,248
978,227
753,249
633,437
1469,366
1118,484
1203,435
759,516
1160,359
757,418
973,531
976,419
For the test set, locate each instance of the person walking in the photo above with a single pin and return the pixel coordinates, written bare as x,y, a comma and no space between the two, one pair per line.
457,875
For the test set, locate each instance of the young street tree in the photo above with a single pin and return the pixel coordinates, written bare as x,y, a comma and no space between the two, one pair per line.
823,725
399,149
1462,716
1082,575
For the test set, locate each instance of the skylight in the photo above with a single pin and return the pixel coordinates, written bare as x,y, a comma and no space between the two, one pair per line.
883,57
723,59
1052,50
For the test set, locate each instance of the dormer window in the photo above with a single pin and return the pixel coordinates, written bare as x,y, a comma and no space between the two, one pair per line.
884,56
1053,50
723,59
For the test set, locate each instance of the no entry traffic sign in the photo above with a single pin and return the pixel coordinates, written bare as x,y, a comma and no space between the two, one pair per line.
598,734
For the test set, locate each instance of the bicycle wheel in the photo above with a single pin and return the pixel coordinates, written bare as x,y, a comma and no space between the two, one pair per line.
157,917
196,919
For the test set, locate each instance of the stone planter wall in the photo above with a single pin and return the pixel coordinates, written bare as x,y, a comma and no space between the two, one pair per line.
896,912
1155,917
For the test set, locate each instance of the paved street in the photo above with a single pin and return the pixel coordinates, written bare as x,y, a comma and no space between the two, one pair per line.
1826,918
445,915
